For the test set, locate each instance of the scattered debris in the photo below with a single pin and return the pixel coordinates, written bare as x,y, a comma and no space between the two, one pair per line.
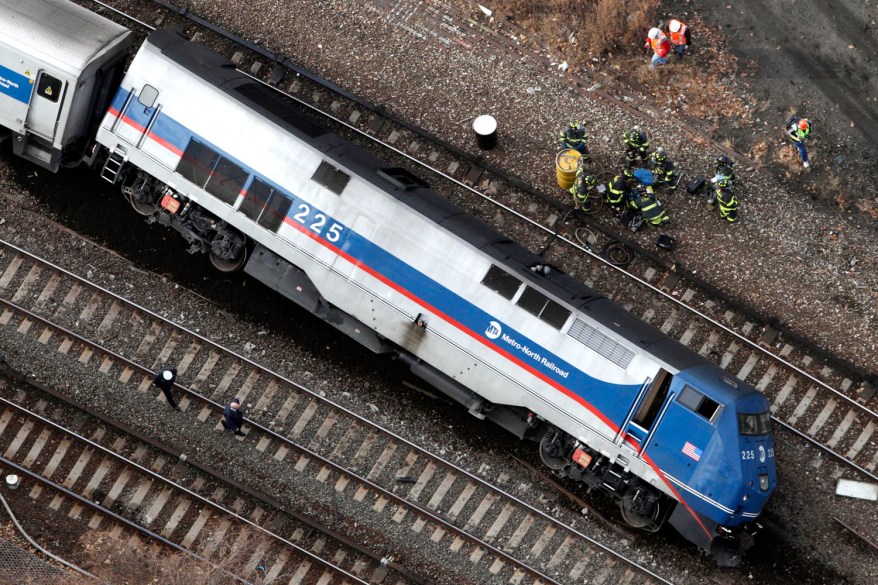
857,489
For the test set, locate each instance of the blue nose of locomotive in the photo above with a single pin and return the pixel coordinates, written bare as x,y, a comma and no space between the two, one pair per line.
756,446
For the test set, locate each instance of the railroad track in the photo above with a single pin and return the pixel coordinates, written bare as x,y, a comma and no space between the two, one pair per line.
810,394
375,477
136,489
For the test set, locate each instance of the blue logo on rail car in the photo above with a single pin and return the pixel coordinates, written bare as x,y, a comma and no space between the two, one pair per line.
15,85
493,331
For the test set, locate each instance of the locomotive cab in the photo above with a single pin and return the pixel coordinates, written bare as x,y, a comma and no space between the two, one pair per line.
727,470
59,66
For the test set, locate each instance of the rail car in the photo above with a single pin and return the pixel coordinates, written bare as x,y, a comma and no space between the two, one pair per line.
59,66
197,146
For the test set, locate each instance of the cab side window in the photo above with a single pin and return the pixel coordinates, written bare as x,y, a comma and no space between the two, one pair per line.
699,403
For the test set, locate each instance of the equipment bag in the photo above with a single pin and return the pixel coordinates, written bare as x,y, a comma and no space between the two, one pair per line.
666,242
631,219
695,184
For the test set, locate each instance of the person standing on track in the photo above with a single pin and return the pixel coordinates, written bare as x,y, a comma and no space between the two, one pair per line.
164,380
233,418
582,188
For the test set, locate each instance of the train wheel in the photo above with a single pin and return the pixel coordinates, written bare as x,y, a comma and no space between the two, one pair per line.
144,209
638,519
551,451
224,265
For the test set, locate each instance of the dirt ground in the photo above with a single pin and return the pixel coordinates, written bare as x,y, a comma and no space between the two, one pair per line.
815,58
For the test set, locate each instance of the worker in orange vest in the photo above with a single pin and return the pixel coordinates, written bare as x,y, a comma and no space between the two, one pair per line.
660,44
680,37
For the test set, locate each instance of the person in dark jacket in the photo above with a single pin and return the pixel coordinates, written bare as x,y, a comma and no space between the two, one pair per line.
582,188
663,169
233,417
650,208
637,146
164,380
574,136
618,191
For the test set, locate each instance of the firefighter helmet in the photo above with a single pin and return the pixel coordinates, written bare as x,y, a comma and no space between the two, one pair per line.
660,154
575,129
586,180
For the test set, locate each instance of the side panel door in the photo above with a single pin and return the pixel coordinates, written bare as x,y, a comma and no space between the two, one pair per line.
647,409
362,229
45,104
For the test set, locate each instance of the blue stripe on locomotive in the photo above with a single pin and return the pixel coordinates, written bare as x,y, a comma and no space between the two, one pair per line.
166,130
611,402
608,400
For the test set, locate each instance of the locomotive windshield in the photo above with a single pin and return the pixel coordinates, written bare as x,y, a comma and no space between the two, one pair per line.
754,424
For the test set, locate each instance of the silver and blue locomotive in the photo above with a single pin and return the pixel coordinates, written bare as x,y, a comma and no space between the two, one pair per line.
202,148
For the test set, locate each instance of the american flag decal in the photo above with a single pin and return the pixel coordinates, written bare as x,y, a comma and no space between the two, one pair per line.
692,451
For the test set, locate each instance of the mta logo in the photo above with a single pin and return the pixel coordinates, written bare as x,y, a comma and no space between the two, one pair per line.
493,331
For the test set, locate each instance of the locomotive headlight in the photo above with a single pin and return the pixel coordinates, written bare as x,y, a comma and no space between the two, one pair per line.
763,482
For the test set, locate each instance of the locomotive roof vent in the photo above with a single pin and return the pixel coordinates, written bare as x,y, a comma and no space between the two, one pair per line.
602,344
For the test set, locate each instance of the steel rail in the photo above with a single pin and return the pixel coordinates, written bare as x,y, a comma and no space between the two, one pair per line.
438,519
326,401
829,450
122,520
168,482
181,456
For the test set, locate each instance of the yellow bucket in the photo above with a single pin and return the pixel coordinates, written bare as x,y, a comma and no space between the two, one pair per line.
566,164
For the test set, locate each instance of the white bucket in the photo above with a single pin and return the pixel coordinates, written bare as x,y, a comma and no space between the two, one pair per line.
485,128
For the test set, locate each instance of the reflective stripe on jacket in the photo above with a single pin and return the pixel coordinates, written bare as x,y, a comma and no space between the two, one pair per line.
651,210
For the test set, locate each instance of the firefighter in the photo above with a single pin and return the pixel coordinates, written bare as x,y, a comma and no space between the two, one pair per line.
799,129
574,136
645,201
724,169
582,188
637,145
618,191
663,168
680,36
728,204
660,44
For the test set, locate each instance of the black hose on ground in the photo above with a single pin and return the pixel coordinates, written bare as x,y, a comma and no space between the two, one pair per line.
618,254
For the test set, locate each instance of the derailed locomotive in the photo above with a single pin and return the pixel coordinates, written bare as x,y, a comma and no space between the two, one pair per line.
200,147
